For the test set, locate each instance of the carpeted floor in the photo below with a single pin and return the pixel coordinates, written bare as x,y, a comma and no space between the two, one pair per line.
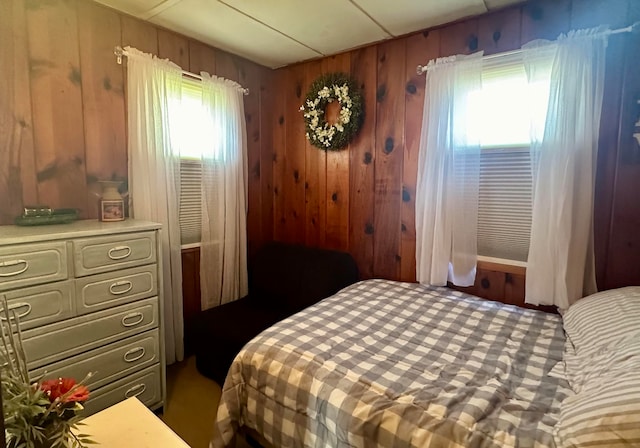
192,402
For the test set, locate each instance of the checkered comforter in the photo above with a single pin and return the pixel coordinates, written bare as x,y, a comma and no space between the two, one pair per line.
388,364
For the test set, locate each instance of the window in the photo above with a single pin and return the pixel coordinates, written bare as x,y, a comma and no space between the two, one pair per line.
190,141
505,108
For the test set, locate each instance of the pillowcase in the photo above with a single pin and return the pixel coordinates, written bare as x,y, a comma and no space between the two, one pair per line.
603,414
603,320
587,371
602,365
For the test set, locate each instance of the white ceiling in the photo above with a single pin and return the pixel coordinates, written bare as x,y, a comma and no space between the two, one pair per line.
280,32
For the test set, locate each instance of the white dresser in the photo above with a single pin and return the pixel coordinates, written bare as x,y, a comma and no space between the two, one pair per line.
88,296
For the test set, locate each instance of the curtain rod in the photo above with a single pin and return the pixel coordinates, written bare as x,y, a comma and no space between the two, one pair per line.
119,52
629,29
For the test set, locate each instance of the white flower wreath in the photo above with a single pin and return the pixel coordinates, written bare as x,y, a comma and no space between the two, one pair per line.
327,89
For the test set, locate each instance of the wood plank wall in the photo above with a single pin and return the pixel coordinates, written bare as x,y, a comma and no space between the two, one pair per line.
362,198
62,101
63,126
62,109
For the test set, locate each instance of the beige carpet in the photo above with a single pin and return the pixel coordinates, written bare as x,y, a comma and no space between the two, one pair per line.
192,402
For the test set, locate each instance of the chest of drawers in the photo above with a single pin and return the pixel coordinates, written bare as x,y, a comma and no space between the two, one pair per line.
88,296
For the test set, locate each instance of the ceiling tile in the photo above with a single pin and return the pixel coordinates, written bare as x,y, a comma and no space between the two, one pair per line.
328,26
405,16
134,7
221,26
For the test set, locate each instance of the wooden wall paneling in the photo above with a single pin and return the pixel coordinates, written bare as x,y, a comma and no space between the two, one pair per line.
17,159
500,31
139,34
623,261
388,158
173,47
56,101
315,176
190,293
362,158
592,13
103,99
421,48
250,78
227,65
514,289
490,284
267,151
202,58
294,171
459,38
545,19
279,156
338,175
608,153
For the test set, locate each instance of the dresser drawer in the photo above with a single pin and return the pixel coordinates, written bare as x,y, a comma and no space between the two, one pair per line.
105,254
109,363
98,292
32,264
145,385
57,341
42,304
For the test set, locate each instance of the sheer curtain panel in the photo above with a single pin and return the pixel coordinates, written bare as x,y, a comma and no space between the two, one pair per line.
153,98
223,250
560,267
448,174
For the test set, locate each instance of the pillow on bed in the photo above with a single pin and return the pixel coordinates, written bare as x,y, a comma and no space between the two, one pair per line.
586,371
605,411
603,414
603,320
602,365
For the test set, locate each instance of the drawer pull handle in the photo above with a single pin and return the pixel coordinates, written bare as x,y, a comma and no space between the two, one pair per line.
132,319
128,286
118,249
140,350
6,264
135,390
15,306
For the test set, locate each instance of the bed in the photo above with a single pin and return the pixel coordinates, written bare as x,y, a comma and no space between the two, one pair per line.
390,364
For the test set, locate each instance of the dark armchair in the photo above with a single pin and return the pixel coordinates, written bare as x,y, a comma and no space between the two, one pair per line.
283,279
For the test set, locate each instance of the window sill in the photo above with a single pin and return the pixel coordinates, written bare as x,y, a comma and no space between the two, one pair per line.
502,265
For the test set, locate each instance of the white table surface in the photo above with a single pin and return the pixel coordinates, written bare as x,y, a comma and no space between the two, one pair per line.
129,424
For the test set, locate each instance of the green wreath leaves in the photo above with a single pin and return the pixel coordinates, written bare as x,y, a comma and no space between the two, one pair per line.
324,90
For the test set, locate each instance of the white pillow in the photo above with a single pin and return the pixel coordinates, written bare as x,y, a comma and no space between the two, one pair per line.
602,365
604,414
603,320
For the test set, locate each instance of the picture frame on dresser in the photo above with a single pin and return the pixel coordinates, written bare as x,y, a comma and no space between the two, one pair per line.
89,297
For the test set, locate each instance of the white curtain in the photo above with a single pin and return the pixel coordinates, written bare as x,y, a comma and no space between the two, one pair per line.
223,251
560,267
448,174
153,97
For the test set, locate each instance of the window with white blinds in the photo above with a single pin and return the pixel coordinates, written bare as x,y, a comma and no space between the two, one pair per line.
504,203
190,213
505,108
188,140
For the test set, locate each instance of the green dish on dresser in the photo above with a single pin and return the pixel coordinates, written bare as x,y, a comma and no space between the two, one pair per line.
57,216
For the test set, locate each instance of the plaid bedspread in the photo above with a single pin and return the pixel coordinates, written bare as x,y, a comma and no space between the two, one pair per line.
389,364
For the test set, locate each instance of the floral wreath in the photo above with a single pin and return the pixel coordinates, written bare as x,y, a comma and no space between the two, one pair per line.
324,90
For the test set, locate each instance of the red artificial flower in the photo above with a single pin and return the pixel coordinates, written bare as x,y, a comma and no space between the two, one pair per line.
56,388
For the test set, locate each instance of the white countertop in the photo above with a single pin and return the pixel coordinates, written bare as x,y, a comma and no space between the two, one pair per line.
129,424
